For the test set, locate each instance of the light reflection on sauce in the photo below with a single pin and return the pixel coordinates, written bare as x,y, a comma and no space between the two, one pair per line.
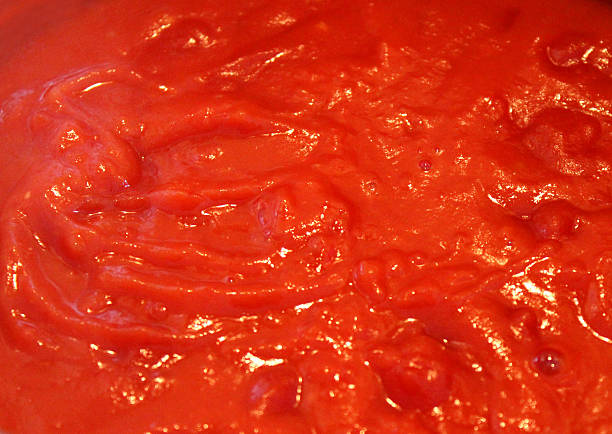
333,216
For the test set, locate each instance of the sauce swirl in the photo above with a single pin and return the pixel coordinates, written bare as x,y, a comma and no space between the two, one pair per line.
314,216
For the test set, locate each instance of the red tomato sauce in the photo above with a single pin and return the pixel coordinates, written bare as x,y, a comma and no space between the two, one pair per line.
306,216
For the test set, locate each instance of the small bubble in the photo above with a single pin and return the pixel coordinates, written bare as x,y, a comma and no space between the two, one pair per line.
548,362
157,311
418,259
425,165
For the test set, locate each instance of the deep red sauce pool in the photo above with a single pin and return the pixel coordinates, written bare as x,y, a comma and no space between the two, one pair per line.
306,216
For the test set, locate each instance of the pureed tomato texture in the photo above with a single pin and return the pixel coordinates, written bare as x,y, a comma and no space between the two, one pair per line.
298,217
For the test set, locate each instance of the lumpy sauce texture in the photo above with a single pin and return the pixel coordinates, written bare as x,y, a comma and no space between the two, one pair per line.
306,216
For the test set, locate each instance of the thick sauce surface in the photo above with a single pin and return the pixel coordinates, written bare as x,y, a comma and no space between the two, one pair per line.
306,216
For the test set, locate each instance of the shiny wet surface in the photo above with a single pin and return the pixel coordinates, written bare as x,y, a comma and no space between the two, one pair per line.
309,217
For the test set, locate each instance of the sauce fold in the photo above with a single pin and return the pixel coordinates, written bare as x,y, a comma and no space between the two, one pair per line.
314,216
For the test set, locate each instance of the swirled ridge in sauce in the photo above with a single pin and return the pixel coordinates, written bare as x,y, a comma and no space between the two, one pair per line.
314,216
